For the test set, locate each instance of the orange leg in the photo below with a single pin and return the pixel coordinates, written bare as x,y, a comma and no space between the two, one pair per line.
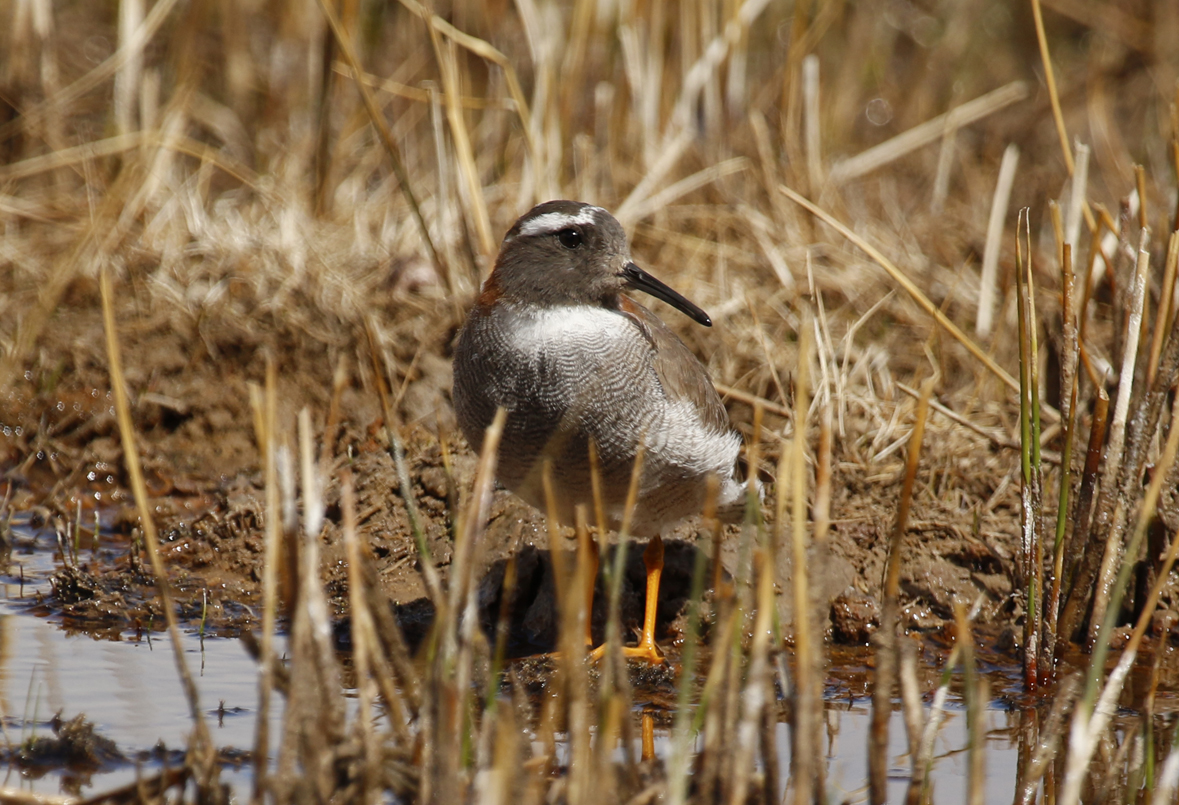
653,560
648,727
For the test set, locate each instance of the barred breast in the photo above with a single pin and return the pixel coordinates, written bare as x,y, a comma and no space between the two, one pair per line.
568,374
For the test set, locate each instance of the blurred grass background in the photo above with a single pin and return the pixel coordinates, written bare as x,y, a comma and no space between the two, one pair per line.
205,145
219,161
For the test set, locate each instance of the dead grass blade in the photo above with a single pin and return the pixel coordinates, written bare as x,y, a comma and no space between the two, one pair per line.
203,749
97,149
99,237
472,518
755,698
907,284
807,689
429,569
1093,714
705,68
464,151
1083,549
753,400
266,422
1053,94
634,210
344,41
1111,509
363,647
486,51
1111,20
930,131
1068,397
975,692
679,765
996,438
994,243
812,137
887,635
400,90
668,157
131,47
1164,314
1051,733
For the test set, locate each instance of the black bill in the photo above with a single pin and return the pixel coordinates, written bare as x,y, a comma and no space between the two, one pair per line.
642,281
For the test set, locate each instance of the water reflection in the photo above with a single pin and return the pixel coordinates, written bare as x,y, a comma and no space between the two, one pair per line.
127,687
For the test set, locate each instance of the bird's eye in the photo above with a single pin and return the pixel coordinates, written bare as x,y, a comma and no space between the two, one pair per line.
570,238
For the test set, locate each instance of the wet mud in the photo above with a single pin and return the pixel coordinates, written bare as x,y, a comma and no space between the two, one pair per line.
62,464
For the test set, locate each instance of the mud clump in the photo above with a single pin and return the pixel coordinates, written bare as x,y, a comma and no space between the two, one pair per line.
855,617
74,744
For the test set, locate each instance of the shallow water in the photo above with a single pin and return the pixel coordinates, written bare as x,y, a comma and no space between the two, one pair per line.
127,685
845,752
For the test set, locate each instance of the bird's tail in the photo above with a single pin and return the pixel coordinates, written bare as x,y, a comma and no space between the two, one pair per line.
734,498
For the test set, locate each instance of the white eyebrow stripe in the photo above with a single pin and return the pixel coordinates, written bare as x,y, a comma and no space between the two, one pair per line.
556,221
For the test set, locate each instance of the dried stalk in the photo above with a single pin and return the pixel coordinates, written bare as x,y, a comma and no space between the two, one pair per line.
202,748
887,635
1109,523
930,131
989,278
807,694
908,285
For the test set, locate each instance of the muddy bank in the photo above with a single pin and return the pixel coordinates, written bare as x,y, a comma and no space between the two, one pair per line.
190,388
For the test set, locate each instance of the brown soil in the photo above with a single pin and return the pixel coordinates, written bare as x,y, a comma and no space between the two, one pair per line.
190,391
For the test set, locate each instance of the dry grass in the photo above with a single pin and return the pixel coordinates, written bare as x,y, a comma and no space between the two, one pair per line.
248,175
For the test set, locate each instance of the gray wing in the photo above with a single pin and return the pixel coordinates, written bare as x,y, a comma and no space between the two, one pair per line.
681,374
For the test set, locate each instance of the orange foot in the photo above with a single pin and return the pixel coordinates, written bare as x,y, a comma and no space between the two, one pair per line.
645,650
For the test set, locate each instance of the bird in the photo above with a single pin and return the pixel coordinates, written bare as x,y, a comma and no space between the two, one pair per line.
555,340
